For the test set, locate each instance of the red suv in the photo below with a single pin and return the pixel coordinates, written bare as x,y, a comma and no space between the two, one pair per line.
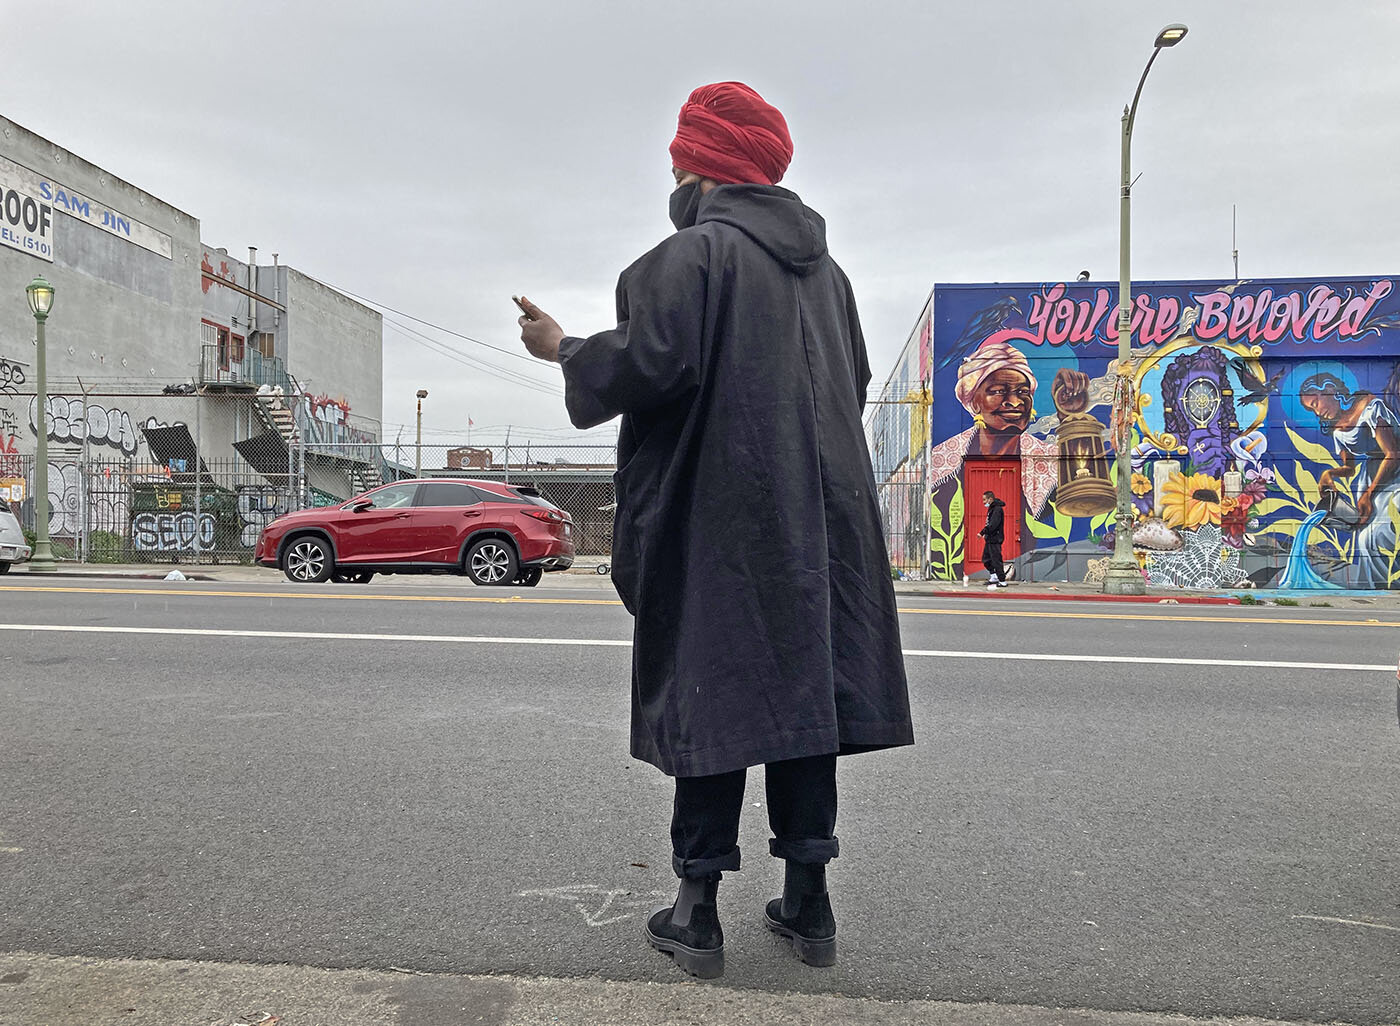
493,533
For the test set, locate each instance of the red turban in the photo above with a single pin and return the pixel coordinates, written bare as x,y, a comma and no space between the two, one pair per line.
727,132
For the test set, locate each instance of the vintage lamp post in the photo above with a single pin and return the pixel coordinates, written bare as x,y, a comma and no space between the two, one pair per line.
418,449
40,294
1123,576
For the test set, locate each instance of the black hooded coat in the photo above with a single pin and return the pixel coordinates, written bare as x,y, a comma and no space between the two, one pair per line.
995,532
747,541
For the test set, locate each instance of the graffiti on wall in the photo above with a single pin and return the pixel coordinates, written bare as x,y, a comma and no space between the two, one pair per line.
258,506
173,532
69,422
11,376
11,379
9,431
1262,420
95,499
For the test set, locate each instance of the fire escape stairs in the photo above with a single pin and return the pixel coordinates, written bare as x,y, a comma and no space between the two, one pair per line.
275,416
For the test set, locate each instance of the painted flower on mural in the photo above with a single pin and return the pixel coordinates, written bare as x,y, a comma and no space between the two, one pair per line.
1256,484
1141,485
1234,521
1190,501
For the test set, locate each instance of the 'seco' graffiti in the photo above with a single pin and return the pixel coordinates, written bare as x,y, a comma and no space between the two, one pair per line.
173,532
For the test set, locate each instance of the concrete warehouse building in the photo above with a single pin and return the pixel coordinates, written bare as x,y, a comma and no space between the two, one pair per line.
192,395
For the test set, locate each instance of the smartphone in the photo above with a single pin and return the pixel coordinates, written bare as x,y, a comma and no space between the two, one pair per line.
522,308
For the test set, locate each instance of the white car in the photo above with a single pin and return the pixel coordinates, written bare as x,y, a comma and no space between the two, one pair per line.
13,547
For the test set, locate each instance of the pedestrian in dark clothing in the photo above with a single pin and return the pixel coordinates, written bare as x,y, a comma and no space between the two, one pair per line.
747,540
992,537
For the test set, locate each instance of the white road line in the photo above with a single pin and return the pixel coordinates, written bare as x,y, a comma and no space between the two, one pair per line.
454,639
1349,922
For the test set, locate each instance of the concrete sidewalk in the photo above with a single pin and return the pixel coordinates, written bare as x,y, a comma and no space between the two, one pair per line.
46,990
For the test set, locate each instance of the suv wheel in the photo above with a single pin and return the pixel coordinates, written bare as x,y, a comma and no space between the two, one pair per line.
308,560
490,562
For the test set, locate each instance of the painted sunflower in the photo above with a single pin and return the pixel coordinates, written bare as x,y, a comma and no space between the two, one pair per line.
1141,484
1189,501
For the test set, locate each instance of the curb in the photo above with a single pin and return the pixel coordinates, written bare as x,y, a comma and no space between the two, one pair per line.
1197,600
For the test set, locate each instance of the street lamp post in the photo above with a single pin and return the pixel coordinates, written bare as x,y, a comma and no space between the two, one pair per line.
418,449
40,294
1123,576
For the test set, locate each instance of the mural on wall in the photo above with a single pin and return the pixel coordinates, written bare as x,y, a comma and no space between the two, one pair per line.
1263,420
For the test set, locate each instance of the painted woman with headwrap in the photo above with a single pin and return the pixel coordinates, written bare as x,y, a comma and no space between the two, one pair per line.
996,385
748,542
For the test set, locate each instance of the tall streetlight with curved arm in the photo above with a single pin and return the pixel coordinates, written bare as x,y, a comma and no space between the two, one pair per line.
1123,576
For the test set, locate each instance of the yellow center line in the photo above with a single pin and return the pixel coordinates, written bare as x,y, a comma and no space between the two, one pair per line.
520,600
323,596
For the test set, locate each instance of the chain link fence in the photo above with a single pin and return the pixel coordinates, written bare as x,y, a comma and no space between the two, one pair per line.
192,476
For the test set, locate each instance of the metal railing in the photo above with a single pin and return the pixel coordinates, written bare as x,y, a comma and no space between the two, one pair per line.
254,370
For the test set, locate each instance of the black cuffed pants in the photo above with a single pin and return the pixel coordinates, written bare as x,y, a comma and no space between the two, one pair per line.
801,814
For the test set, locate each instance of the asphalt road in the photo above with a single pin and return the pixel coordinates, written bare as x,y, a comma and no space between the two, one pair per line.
332,776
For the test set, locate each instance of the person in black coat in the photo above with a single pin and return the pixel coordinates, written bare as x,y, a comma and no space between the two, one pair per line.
747,541
992,536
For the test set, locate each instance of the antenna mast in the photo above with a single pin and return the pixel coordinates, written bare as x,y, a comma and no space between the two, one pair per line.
1234,245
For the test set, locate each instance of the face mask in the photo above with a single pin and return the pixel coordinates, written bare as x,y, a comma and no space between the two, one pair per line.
685,204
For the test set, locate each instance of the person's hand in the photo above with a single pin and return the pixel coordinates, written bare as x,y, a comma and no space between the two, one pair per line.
1365,509
1324,481
540,332
1070,391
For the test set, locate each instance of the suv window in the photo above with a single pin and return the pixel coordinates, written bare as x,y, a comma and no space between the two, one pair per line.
396,496
4,506
508,497
532,496
447,493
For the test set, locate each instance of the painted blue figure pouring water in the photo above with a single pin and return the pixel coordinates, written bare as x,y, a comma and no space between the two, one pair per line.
1366,437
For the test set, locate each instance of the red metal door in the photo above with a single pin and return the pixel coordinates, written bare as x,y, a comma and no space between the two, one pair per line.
1003,479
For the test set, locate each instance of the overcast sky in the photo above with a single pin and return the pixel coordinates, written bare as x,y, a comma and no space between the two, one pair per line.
438,157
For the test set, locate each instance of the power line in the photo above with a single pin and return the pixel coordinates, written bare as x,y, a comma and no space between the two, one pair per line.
443,349
420,320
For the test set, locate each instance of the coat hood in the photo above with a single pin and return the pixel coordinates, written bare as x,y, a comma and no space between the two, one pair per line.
994,503
790,231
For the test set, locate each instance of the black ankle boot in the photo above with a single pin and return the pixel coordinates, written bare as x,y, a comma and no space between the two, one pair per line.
689,930
803,914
